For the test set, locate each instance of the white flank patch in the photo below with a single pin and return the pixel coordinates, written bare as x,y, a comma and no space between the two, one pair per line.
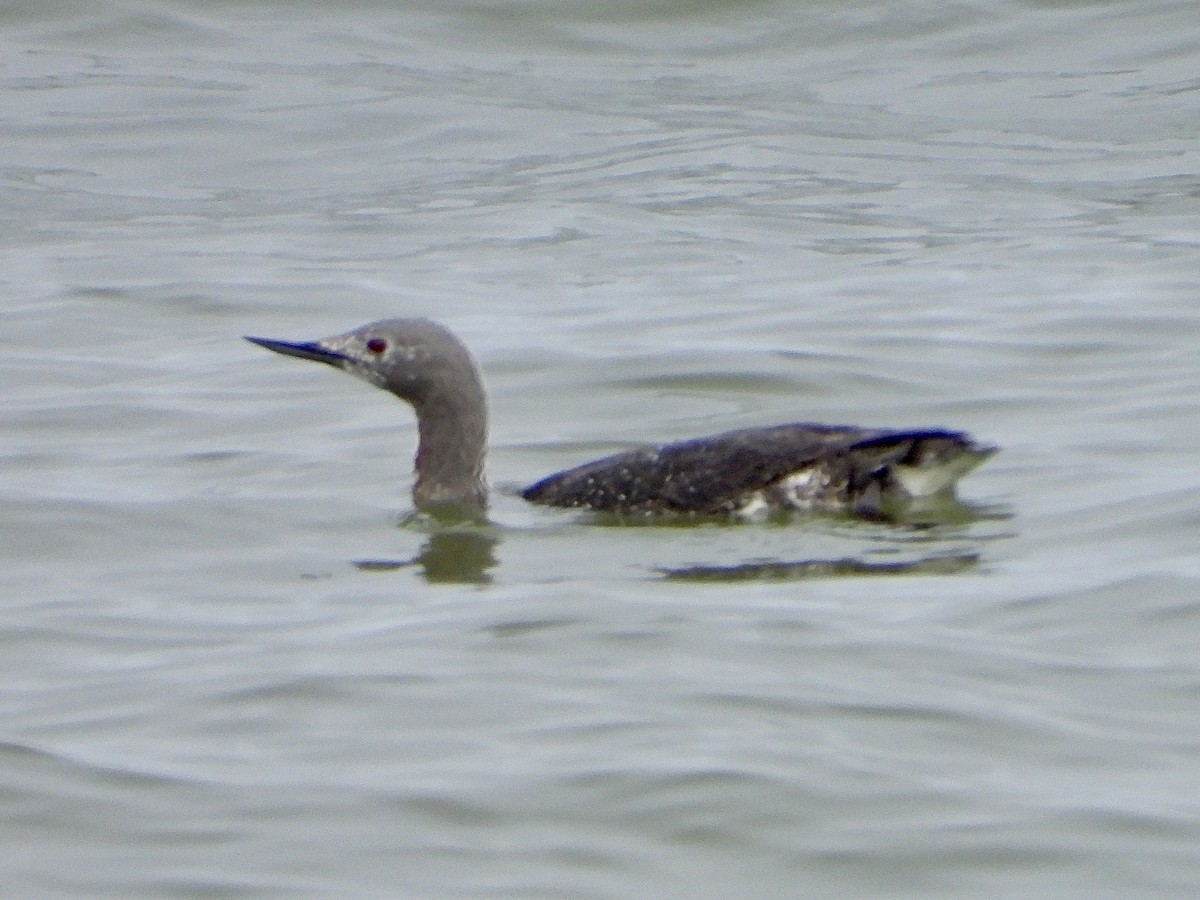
755,505
797,488
926,481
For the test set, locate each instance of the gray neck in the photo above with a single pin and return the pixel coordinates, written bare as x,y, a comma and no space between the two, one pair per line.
452,424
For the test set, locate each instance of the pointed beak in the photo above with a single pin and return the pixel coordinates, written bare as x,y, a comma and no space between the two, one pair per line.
308,350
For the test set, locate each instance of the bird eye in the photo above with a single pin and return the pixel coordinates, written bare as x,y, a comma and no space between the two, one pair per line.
376,345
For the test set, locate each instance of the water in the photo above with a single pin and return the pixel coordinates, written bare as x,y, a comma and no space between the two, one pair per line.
237,667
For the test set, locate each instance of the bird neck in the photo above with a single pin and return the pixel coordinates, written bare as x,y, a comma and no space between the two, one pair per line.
452,428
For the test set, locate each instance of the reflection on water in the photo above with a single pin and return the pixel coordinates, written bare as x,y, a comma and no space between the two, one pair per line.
465,552
939,514
777,570
453,556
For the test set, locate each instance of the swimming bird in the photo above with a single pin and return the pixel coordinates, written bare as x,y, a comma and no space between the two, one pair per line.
802,466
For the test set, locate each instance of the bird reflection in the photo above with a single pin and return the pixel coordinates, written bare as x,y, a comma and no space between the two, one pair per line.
451,556
847,567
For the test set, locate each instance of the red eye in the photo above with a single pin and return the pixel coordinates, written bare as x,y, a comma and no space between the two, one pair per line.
376,345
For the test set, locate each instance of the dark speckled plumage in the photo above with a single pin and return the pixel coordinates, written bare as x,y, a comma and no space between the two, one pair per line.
800,466
840,467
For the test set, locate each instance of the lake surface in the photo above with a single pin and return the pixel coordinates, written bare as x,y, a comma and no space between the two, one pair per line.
237,666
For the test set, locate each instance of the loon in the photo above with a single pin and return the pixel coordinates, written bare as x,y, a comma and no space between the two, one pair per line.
802,466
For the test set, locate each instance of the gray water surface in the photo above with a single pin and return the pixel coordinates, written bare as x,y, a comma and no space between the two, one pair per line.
236,665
